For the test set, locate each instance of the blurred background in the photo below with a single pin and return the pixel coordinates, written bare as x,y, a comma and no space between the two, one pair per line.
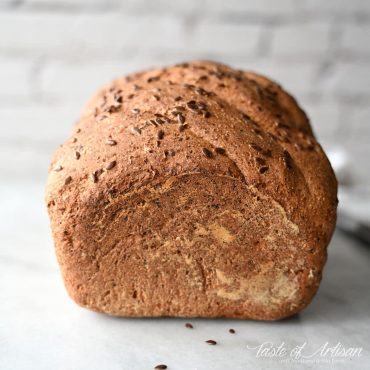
55,53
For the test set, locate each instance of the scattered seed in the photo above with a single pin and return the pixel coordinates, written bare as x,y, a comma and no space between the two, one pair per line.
193,106
151,79
188,86
206,114
160,367
260,161
58,169
130,96
111,142
189,326
310,146
168,120
220,75
267,153
220,150
175,112
77,155
118,98
183,127
110,165
287,159
104,101
207,153
201,91
283,134
202,105
181,118
135,110
231,331
156,97
211,342
272,136
113,108
94,177
101,118
257,132
73,140
178,98
263,169
281,124
160,135
245,117
135,130
68,180
78,130
256,147
184,65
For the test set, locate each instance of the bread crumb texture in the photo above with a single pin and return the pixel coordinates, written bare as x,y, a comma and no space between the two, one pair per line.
192,191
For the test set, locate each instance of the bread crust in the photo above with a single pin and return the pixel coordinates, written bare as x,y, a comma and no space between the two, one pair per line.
193,191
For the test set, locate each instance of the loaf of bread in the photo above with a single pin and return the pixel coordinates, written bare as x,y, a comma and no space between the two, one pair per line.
192,191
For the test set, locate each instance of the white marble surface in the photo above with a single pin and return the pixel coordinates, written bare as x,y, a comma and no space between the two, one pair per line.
41,328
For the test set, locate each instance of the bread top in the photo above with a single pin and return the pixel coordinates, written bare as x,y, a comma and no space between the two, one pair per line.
192,118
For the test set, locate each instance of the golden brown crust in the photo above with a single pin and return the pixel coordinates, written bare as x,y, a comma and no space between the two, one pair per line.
194,190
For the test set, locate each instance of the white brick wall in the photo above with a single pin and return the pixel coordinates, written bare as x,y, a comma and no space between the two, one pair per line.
80,4
16,73
78,35
299,78
350,79
301,40
261,7
212,37
55,53
338,6
356,39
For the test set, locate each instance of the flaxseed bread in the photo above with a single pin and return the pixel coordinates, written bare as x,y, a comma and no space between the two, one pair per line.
193,190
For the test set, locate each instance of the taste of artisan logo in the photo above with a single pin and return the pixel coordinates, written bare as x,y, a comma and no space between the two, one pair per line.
304,354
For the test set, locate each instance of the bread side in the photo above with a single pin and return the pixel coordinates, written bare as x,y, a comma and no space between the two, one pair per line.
194,190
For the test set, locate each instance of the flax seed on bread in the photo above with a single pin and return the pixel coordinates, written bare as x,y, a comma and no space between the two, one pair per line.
198,191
